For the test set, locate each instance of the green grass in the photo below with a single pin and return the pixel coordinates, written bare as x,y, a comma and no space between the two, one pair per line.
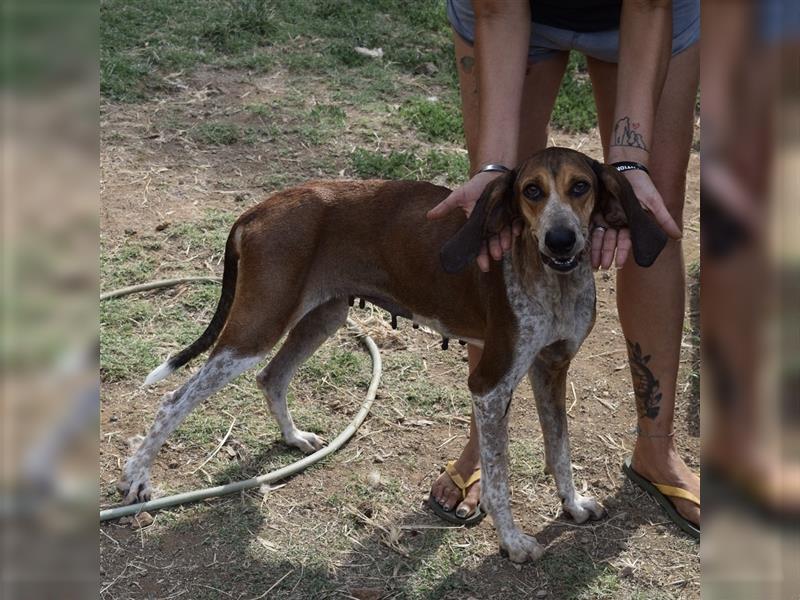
604,585
328,115
259,110
210,233
573,576
128,264
436,120
217,134
228,134
341,367
321,123
574,109
316,125
271,182
124,353
433,575
527,459
410,165
143,41
240,25
421,397
135,331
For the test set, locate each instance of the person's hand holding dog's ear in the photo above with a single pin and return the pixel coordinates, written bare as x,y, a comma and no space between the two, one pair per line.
465,197
608,243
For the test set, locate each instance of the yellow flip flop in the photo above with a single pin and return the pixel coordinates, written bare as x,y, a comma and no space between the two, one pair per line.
449,515
661,493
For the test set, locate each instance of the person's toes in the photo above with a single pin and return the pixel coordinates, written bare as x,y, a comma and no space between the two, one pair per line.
445,492
437,489
467,506
451,499
441,487
464,510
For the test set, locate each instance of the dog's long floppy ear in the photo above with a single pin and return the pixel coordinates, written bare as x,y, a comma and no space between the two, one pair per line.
494,210
618,204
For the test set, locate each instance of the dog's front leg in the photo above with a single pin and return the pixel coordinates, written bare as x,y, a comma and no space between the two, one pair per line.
548,380
491,416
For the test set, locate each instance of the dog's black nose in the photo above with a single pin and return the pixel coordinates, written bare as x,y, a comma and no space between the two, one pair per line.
560,241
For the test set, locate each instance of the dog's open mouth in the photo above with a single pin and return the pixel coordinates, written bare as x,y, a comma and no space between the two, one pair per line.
562,265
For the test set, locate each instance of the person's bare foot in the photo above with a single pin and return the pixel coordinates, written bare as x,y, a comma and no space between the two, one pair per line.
656,460
447,493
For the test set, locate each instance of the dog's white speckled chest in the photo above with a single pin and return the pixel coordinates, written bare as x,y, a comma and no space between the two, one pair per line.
560,307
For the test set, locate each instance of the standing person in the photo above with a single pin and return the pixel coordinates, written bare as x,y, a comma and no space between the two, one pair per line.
643,60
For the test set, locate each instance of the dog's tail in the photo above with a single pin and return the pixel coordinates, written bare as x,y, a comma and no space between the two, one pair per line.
210,335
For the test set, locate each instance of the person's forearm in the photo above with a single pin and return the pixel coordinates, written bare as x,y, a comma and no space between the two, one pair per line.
644,53
502,31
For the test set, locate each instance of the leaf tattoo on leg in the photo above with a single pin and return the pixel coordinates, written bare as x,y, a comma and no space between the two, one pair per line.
645,385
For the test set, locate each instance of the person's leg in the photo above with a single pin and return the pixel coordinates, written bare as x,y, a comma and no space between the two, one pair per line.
542,81
651,300
739,277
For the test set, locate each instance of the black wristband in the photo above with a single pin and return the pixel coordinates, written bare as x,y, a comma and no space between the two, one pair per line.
629,165
494,167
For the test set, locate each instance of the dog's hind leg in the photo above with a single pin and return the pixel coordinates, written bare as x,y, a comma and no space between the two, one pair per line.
304,339
549,380
220,368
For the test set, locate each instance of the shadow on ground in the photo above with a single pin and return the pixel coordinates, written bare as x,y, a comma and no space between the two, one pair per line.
232,548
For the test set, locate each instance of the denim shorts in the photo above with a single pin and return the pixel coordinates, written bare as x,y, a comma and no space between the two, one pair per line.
547,42
778,21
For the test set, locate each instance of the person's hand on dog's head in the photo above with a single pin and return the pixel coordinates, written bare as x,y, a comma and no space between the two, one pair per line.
465,197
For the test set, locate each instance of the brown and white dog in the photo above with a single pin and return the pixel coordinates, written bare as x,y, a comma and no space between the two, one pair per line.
293,261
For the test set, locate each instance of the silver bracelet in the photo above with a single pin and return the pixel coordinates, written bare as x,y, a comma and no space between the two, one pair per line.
494,167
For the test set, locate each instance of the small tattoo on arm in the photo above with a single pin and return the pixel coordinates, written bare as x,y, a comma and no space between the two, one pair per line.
625,134
467,63
645,385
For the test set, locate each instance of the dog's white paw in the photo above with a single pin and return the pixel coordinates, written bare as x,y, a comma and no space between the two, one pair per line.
135,484
305,441
135,490
520,547
582,508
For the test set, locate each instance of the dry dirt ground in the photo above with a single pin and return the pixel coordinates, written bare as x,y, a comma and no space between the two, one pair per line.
354,526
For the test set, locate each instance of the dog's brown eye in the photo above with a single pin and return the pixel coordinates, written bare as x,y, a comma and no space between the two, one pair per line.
532,192
579,188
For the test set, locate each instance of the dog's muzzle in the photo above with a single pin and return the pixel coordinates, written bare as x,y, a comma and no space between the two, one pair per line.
561,251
